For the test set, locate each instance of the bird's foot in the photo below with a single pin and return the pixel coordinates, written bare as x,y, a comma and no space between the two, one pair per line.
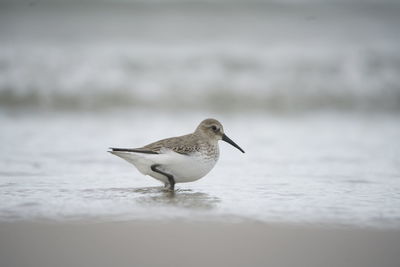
168,187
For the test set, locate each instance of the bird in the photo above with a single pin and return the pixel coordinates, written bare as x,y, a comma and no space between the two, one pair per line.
181,159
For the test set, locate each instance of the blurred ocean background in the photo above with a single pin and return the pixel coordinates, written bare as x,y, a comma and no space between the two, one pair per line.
223,55
309,89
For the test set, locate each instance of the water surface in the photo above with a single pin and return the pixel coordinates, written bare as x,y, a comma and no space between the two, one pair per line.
309,89
326,168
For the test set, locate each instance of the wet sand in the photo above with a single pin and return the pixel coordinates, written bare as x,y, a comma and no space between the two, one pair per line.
194,244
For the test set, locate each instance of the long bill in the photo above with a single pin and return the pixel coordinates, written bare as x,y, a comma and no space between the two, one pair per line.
228,140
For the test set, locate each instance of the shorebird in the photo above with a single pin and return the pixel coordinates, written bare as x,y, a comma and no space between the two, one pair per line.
179,159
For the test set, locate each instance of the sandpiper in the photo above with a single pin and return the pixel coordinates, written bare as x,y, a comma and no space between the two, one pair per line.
179,159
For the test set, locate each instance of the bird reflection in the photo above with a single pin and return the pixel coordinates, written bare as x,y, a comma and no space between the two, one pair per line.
181,198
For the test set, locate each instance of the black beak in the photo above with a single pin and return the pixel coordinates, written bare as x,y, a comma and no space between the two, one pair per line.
228,140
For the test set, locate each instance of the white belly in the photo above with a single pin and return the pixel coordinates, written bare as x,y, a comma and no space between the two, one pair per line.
189,168
183,168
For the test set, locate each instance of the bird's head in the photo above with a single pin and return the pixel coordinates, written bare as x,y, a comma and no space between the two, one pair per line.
213,130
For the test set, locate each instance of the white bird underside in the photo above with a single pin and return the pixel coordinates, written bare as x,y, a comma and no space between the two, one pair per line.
184,168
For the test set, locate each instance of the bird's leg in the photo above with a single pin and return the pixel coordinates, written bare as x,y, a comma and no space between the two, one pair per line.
171,180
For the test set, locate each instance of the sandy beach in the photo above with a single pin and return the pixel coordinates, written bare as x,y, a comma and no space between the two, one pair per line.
194,244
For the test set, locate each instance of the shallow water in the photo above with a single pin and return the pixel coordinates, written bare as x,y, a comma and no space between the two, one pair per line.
326,168
77,78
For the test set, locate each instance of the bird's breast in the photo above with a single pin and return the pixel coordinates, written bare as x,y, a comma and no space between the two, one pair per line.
195,168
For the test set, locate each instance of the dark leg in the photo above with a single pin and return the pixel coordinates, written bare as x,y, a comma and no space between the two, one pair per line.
169,176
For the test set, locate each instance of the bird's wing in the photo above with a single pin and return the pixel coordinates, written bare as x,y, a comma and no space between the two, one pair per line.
182,144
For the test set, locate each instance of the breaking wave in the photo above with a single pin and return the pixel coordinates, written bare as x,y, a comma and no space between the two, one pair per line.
276,78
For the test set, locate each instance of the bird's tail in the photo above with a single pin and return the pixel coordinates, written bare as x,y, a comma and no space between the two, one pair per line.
132,150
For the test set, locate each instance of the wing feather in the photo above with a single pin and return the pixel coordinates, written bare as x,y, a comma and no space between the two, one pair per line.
184,145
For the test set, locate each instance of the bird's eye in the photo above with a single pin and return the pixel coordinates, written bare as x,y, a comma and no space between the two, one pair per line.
214,128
